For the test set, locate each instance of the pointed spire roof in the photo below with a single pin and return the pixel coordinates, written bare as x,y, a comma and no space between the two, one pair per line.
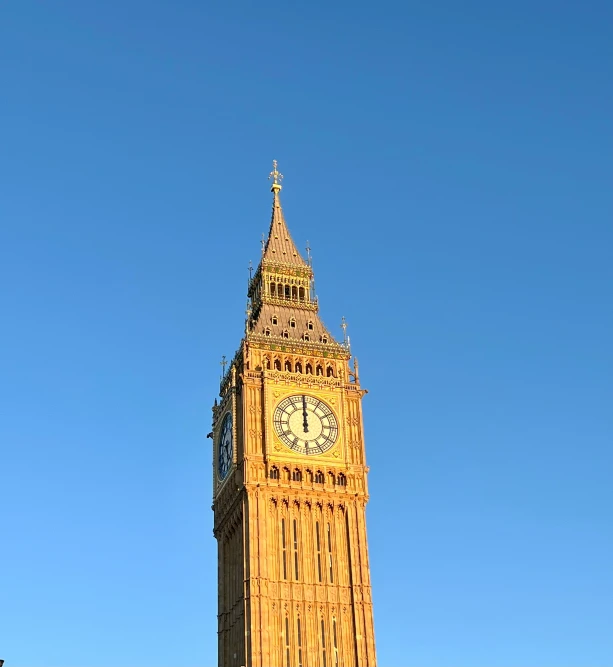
280,246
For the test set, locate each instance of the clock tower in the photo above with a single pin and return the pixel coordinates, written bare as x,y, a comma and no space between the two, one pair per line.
289,480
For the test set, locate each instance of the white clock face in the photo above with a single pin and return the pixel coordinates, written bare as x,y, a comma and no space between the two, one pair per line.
306,424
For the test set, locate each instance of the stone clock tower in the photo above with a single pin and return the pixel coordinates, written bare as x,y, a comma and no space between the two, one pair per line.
289,480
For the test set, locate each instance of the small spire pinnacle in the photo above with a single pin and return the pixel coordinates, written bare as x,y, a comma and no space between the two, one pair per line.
250,270
344,328
223,363
276,176
308,250
248,316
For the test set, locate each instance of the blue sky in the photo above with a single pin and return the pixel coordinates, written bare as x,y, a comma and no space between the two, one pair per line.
450,164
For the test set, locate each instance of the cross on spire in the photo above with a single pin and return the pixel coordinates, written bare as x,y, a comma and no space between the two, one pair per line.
276,176
223,363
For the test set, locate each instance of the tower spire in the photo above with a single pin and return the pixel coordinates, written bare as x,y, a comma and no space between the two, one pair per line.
279,247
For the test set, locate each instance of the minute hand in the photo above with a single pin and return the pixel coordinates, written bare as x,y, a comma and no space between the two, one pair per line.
305,421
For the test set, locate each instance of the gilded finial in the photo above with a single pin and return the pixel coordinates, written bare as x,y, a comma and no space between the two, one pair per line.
276,176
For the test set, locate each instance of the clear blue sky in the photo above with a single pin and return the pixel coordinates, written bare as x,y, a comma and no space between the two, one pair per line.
450,163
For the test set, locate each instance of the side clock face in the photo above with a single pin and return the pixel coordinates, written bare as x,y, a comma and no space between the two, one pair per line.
225,446
306,424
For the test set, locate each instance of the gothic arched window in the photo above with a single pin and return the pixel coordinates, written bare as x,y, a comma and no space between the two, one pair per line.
273,473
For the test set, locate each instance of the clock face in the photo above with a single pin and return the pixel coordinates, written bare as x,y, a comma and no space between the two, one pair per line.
306,424
225,446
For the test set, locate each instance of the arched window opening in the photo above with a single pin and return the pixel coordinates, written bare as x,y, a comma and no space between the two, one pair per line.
309,476
273,289
295,526
342,480
283,549
319,371
319,477
306,337
331,478
323,644
297,476
329,372
330,570
310,326
287,646
288,365
285,333
298,367
335,642
318,547
309,369
273,473
267,363
294,292
279,290
275,320
277,364
286,475
287,292
301,293
299,641
323,339
267,331
292,322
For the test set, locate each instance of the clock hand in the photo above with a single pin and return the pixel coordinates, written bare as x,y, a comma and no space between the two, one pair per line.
305,422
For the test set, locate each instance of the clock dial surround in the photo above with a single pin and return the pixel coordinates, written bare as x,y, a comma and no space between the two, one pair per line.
306,424
226,447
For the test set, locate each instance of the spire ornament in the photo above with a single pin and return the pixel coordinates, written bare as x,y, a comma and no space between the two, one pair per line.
276,176
344,328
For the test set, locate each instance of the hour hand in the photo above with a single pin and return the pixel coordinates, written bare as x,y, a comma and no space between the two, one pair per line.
305,420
